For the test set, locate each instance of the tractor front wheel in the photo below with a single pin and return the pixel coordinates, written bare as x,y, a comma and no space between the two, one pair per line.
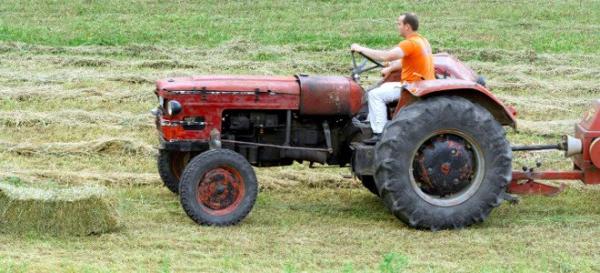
170,167
218,187
442,163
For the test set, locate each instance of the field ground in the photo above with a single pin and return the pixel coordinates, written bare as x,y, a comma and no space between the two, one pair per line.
76,84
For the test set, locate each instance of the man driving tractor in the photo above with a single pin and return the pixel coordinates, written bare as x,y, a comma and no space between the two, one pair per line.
412,56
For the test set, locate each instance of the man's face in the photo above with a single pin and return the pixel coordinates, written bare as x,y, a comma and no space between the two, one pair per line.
403,29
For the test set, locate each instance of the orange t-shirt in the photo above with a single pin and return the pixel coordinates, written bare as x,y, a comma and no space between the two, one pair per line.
417,63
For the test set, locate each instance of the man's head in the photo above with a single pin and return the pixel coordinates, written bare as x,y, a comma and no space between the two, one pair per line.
407,23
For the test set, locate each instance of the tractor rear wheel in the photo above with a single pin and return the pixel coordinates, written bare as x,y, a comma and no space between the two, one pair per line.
369,182
170,167
442,163
218,187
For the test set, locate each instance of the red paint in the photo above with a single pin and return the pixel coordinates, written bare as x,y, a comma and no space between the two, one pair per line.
326,95
547,175
178,162
588,130
220,191
445,168
595,152
531,187
463,88
282,84
456,79
222,93
585,165
448,66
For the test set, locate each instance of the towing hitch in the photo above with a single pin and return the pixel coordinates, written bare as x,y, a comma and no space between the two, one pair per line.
524,182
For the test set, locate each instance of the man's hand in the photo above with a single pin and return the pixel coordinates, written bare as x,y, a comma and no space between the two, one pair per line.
392,66
356,48
385,72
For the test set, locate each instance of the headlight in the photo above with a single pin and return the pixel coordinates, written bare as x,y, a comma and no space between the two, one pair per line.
173,107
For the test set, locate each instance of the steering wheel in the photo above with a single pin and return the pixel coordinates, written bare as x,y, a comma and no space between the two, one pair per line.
358,69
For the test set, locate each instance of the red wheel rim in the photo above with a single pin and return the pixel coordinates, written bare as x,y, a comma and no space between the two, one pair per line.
220,190
178,162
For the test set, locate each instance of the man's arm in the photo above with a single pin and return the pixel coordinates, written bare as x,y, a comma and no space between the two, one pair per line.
379,55
393,66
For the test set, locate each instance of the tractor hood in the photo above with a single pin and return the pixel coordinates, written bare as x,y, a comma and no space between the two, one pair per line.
231,83
311,95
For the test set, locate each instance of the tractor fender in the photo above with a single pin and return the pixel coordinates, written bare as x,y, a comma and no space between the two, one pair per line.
505,114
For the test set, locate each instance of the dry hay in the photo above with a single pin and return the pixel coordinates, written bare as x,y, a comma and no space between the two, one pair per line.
97,91
99,146
300,175
75,118
77,211
86,177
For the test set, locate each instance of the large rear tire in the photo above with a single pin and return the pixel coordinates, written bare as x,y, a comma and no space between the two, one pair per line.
442,163
369,182
218,187
170,167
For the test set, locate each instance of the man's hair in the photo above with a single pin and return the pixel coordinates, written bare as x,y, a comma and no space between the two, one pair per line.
411,19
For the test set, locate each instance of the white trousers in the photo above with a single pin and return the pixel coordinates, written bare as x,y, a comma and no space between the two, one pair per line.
378,98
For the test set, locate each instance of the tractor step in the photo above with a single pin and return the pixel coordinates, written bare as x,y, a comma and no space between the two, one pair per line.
363,158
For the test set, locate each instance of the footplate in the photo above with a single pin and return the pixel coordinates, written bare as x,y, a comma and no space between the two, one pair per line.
363,158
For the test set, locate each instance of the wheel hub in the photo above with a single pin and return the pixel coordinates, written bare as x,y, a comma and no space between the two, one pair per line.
220,189
444,165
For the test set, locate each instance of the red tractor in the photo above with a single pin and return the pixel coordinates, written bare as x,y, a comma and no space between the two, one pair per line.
443,160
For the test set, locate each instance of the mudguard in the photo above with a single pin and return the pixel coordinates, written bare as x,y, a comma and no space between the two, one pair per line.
472,91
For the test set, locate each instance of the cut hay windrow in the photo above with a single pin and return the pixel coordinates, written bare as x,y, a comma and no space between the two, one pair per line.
84,177
78,211
100,146
75,118
76,90
301,174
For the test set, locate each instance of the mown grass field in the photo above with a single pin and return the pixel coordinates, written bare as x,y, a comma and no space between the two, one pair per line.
76,82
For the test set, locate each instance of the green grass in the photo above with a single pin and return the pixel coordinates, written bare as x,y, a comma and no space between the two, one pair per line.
559,26
82,72
296,230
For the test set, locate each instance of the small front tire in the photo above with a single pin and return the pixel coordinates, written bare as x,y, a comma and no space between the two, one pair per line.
218,187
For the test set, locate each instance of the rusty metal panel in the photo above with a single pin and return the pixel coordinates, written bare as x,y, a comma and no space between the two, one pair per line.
232,83
323,95
448,66
469,90
208,96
